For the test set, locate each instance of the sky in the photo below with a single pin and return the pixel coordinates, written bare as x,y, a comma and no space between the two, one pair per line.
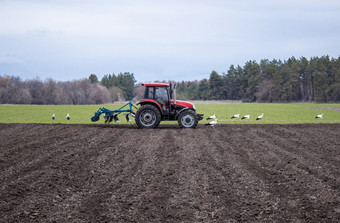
159,40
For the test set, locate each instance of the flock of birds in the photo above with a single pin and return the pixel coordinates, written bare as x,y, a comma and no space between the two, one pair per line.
68,117
214,118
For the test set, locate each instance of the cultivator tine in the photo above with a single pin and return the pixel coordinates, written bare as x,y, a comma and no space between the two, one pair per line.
127,116
110,118
107,118
116,118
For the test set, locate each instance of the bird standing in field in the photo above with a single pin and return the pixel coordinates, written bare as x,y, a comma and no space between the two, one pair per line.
246,117
212,123
53,117
260,117
235,116
68,117
319,116
211,117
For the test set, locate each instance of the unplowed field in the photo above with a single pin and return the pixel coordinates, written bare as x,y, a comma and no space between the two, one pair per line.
119,173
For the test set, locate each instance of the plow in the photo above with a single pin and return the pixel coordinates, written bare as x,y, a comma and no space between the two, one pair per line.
158,104
110,115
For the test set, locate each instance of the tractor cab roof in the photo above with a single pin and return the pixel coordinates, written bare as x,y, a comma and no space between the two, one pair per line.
155,85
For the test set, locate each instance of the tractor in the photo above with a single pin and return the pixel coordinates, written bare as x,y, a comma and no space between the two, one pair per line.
158,104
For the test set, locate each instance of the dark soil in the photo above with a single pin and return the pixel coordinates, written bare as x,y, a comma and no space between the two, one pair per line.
119,173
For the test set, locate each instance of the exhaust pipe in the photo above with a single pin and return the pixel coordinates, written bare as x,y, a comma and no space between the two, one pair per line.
174,94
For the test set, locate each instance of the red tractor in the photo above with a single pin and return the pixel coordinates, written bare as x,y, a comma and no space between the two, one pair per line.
160,104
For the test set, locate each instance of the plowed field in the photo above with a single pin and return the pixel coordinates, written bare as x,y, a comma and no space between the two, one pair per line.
119,173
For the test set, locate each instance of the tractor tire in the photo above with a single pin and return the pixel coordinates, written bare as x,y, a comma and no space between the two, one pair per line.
187,119
148,117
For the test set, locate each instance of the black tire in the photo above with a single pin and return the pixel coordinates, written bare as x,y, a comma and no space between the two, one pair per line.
187,119
148,117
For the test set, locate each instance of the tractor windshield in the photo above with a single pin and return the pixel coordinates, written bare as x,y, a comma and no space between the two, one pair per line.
156,93
161,93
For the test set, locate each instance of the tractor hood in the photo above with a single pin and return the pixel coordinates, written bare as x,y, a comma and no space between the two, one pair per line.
183,103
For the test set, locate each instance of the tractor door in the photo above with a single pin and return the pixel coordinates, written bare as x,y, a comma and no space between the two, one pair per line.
149,93
162,97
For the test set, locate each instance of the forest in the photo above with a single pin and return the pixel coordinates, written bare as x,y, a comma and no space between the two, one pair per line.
292,80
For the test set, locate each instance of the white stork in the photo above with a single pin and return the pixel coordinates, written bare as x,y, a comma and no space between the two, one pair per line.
211,117
235,116
246,117
260,117
212,123
68,117
319,116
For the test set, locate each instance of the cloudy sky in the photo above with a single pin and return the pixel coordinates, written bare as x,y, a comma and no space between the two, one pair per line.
159,40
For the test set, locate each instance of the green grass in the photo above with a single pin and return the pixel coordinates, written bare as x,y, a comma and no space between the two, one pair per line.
81,114
273,113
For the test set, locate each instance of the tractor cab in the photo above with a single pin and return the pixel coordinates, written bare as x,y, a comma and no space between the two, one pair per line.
159,93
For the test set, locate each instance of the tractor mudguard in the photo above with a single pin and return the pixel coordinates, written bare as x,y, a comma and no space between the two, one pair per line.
198,115
152,102
180,111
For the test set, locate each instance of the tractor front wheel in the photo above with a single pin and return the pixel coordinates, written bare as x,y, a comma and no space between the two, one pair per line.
148,116
187,119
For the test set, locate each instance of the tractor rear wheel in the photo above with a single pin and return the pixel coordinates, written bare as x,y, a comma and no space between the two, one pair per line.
148,116
187,119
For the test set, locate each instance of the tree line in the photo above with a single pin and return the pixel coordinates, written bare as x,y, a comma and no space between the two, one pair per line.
293,80
15,91
111,88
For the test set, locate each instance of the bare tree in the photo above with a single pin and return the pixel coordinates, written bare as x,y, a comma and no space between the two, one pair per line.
13,91
101,94
36,90
51,91
138,91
